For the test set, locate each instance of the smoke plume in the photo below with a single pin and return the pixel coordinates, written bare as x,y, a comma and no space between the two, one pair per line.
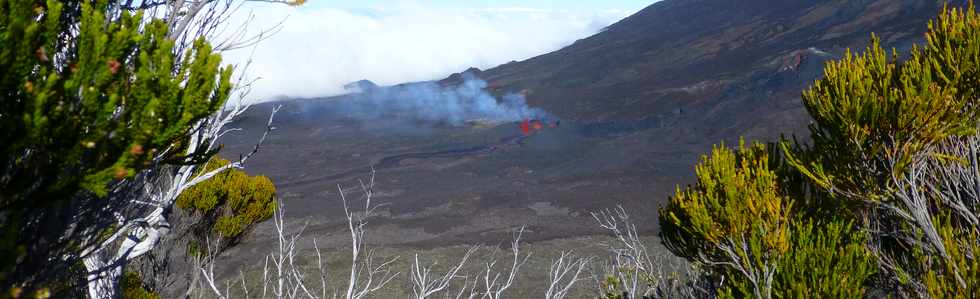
430,102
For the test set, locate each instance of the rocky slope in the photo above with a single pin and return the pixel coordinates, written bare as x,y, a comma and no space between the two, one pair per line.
639,102
707,56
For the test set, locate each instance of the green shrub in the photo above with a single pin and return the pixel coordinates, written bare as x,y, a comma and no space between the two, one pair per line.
735,219
940,278
133,288
231,202
740,220
100,115
872,112
882,132
88,97
825,260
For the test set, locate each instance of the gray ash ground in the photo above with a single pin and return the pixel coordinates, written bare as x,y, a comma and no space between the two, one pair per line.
639,103
441,184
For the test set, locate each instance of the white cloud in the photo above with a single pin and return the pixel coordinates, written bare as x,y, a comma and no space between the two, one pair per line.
319,50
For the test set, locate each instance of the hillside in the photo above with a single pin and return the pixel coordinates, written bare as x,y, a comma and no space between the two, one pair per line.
639,103
730,67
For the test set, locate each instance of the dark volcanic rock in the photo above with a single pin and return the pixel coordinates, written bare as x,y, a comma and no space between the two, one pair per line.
639,103
360,86
701,54
460,78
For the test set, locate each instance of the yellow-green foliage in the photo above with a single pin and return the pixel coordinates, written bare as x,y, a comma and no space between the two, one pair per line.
739,219
610,289
875,117
872,115
736,214
87,97
825,260
872,108
235,200
104,112
962,247
736,198
133,288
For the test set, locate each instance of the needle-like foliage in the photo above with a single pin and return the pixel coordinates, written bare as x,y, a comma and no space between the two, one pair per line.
229,204
89,96
883,201
734,220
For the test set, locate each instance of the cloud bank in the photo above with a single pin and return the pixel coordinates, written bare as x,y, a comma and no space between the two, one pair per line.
319,50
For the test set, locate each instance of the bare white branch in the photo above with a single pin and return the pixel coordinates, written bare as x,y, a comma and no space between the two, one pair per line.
424,282
493,286
565,272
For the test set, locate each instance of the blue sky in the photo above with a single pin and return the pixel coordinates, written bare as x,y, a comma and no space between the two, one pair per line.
323,44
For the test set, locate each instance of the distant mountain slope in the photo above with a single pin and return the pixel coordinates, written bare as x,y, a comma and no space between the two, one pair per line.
738,63
638,103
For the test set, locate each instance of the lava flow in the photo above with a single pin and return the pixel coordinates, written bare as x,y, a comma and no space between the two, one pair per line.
530,126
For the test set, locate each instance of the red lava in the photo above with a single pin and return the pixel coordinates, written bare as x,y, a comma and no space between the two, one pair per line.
530,126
